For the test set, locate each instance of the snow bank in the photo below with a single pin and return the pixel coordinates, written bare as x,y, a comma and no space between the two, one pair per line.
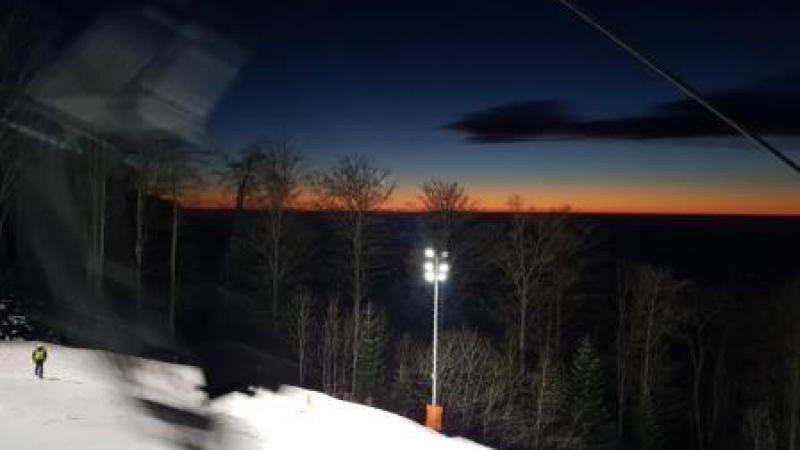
85,403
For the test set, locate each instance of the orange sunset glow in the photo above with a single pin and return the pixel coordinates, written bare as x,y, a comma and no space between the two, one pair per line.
719,200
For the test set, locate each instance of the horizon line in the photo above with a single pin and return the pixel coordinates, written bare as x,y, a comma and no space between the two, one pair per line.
563,210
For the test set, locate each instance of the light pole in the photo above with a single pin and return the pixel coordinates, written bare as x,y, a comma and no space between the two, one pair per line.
436,270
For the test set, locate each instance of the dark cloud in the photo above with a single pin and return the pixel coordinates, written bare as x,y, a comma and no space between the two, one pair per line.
517,122
765,108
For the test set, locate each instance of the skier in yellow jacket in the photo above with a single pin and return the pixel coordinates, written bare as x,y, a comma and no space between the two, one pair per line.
39,357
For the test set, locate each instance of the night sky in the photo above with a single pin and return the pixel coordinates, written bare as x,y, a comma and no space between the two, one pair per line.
524,98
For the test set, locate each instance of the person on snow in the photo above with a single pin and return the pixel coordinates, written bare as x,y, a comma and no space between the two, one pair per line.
39,357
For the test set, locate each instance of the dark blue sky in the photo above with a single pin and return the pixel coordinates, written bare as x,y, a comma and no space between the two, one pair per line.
406,64
385,78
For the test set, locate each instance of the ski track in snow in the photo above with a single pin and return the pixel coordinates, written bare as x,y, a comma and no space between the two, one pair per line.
85,404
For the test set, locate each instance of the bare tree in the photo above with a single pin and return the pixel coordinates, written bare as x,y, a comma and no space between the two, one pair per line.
336,348
446,202
718,387
526,253
345,370
464,360
147,158
790,354
374,335
536,256
239,174
569,241
503,417
331,345
178,172
697,330
759,428
268,177
648,315
480,386
173,176
298,323
278,176
408,381
352,190
98,163
656,317
624,344
793,397
242,173
547,398
11,162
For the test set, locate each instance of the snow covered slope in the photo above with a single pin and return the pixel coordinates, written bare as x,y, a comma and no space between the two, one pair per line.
84,403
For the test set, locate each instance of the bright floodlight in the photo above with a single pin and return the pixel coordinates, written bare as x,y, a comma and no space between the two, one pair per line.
436,269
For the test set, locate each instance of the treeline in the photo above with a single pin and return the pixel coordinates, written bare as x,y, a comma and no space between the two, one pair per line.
561,348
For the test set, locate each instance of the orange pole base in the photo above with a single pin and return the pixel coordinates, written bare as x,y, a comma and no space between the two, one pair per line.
433,417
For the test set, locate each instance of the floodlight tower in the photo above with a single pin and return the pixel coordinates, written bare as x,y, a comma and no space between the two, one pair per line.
436,271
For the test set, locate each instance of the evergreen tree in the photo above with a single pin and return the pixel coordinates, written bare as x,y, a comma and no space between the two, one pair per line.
592,425
407,395
372,346
550,406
